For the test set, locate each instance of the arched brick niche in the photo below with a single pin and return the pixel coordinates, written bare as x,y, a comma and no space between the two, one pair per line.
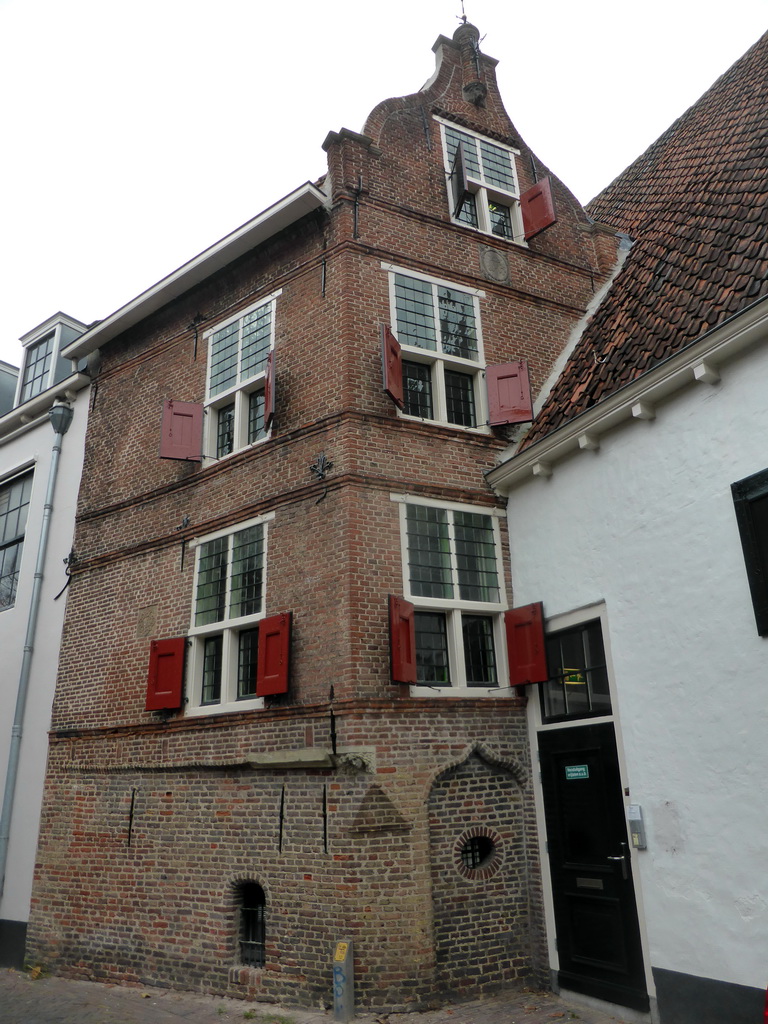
480,876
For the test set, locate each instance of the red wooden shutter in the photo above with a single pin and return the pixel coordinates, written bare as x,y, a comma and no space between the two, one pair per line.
538,208
525,645
391,365
458,180
181,432
509,393
274,656
402,640
269,390
166,674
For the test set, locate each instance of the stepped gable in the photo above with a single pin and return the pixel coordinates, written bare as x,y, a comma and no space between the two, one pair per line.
693,206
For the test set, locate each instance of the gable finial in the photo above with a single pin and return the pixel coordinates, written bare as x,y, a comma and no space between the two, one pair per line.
463,17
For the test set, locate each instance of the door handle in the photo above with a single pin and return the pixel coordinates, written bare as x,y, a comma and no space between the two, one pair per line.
623,859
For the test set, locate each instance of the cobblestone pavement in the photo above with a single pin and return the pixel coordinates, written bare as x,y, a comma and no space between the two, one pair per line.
46,1000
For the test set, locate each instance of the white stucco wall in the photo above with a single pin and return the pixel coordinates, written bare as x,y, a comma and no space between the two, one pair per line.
646,524
33,446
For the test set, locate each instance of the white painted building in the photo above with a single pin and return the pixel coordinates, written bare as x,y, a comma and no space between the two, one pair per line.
624,525
40,469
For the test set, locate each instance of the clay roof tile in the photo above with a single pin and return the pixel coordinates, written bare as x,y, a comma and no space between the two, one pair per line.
694,205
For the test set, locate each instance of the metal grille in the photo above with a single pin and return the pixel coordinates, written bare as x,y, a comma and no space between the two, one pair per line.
256,417
414,305
501,220
429,551
458,330
252,924
223,359
476,557
479,652
417,389
247,565
476,851
239,351
460,398
257,329
212,652
431,649
211,582
247,653
225,431
497,166
471,162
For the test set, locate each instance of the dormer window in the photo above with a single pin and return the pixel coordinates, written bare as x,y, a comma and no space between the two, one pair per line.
43,365
37,368
482,183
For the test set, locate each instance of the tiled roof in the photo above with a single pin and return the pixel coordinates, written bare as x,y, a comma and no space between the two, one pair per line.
695,206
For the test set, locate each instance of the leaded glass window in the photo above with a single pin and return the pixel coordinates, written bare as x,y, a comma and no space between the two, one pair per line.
441,324
239,351
454,580
228,604
490,203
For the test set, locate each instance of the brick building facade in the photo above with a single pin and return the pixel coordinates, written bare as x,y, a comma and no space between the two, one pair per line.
293,794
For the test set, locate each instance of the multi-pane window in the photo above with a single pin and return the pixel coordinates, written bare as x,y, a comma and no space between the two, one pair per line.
37,368
14,507
578,675
454,579
238,353
438,328
228,604
482,183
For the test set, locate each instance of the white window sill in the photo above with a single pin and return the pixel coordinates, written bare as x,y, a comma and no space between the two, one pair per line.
463,692
230,708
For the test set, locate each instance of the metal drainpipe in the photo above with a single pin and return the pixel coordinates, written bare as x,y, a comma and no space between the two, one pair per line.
61,416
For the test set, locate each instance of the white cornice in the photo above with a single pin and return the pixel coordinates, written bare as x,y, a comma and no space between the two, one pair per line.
698,362
51,324
28,413
275,218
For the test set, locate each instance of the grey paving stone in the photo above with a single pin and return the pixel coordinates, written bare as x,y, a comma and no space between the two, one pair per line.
50,1000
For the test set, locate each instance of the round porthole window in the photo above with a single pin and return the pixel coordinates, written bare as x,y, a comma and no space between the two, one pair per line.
477,853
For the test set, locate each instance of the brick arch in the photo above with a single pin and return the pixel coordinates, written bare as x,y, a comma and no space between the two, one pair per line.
490,756
243,877
482,921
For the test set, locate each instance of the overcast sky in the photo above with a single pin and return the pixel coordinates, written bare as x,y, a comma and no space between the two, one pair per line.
137,134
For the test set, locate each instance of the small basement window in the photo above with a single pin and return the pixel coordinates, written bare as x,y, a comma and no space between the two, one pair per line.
476,851
252,907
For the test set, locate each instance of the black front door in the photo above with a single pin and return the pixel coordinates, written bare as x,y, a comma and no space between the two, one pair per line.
598,937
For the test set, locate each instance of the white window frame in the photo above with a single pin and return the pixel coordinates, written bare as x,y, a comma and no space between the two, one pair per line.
52,335
454,607
439,361
238,393
484,191
228,628
17,476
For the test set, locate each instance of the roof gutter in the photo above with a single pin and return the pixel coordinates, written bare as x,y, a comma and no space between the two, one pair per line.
697,362
286,211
